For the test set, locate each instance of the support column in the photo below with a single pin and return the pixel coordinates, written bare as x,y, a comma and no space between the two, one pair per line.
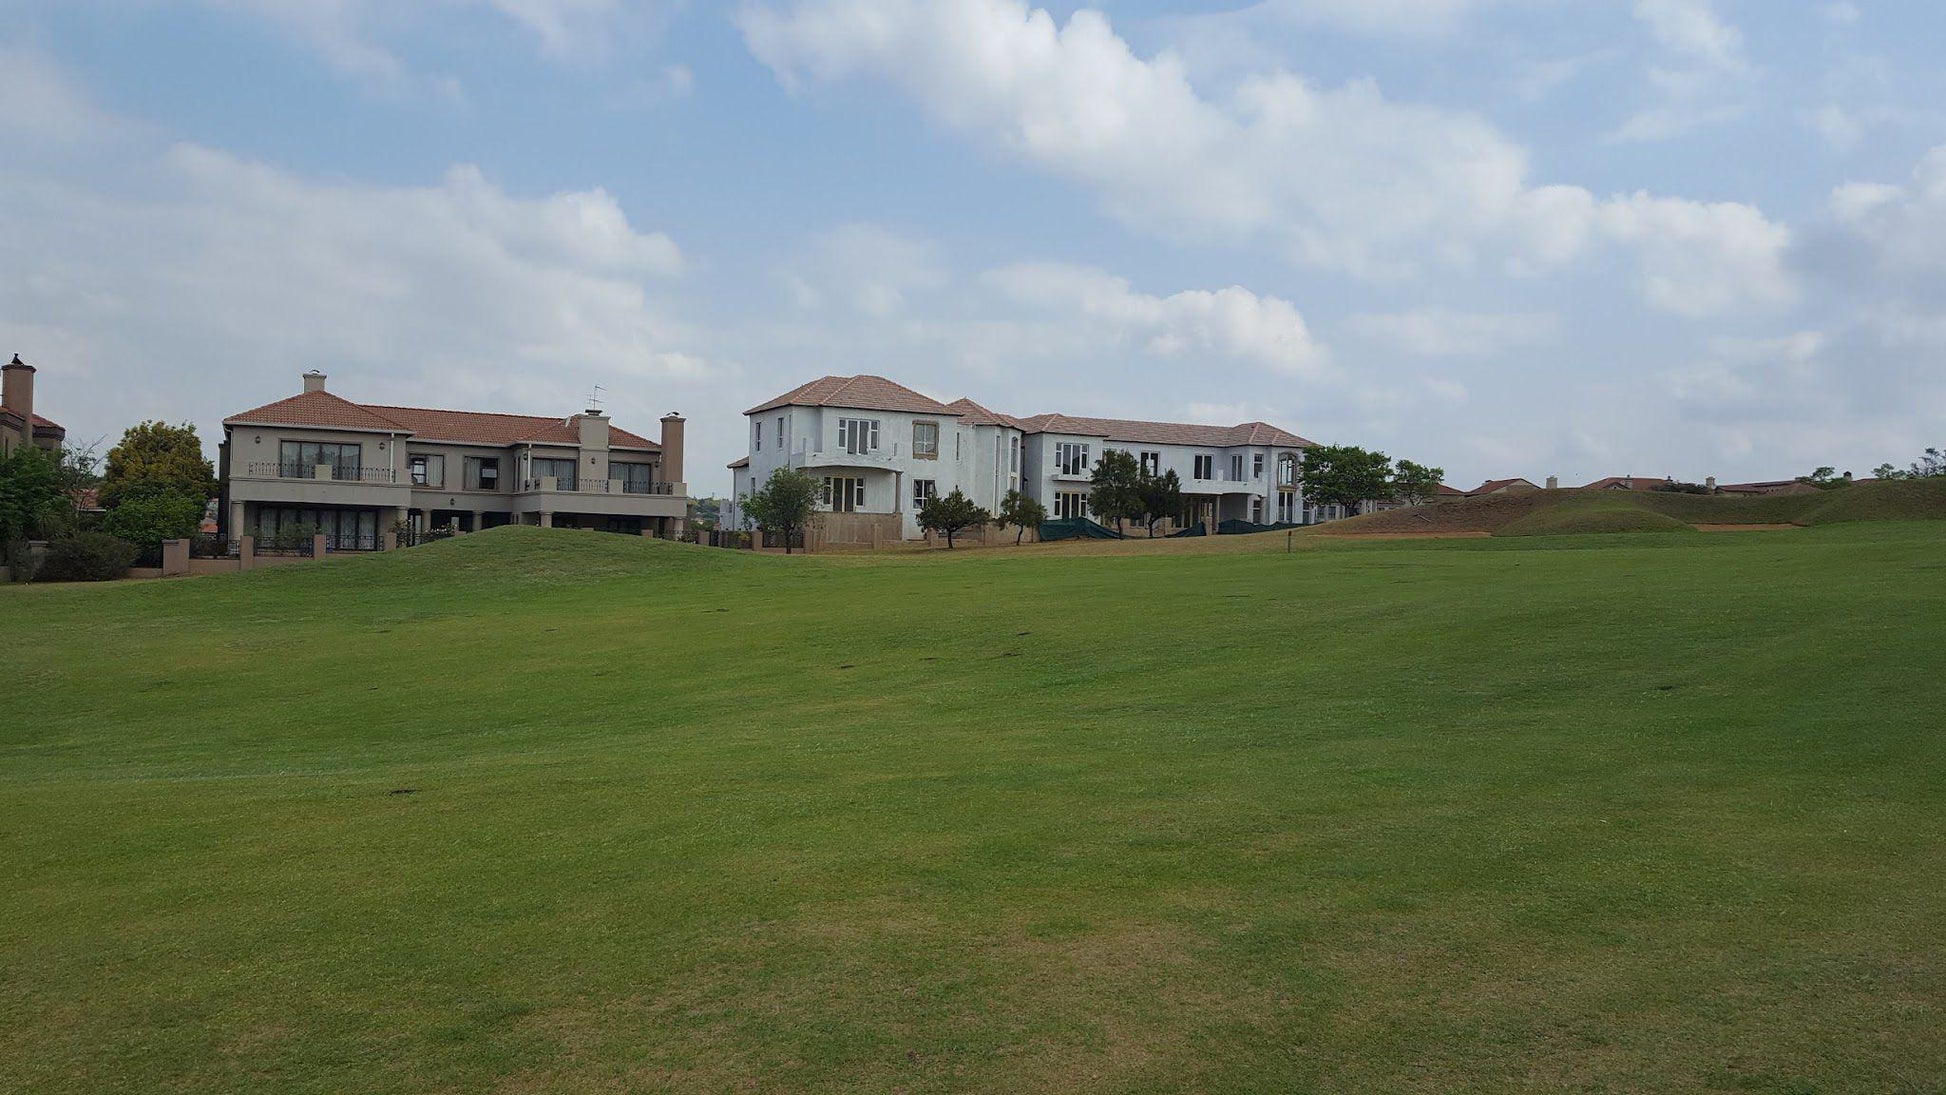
547,519
237,528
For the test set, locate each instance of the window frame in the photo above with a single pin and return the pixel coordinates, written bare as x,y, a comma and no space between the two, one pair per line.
921,448
923,491
1205,467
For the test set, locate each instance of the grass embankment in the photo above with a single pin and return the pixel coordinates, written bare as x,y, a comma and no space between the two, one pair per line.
1565,512
1598,813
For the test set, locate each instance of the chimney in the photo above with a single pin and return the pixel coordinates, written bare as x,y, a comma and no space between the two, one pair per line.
594,443
17,391
672,425
1553,482
1711,484
1847,477
313,381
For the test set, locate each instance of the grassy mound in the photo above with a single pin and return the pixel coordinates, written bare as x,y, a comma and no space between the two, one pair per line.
1575,511
1591,515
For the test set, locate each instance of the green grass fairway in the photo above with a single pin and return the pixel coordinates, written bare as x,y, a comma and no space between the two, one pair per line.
1607,813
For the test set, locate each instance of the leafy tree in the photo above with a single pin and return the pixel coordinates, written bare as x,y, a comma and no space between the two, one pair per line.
1346,475
146,519
1930,466
786,504
1826,478
1115,493
32,503
949,515
157,458
1887,471
1682,488
1158,496
1416,484
1021,510
709,511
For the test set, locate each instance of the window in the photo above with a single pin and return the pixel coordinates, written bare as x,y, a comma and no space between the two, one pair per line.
956,446
757,437
923,490
428,469
844,494
560,470
780,431
635,478
1287,469
1070,504
857,435
1257,466
1151,463
1013,455
1256,511
1205,466
1071,458
925,440
343,529
301,459
1236,467
482,473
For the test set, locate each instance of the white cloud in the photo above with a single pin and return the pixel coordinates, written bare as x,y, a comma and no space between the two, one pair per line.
1442,333
1341,178
1702,260
1843,12
1398,18
1705,82
39,102
224,278
1692,29
865,267
1233,322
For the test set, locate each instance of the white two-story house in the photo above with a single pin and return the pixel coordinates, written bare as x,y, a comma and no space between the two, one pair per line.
881,448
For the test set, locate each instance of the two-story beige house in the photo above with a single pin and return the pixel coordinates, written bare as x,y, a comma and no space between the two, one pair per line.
20,427
356,471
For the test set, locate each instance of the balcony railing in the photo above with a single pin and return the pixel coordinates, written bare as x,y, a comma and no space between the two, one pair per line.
551,484
342,473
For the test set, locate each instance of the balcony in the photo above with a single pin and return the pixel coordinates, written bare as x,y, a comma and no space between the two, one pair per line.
1224,484
548,484
331,473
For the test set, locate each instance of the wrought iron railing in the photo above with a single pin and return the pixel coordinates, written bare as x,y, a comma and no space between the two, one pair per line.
339,472
596,486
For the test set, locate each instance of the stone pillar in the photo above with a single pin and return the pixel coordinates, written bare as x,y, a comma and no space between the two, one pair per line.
237,528
390,541
479,520
317,546
547,519
175,558
246,552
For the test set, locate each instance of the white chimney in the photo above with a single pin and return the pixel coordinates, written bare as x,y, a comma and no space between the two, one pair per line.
1553,482
313,381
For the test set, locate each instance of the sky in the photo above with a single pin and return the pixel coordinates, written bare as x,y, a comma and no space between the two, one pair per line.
1572,238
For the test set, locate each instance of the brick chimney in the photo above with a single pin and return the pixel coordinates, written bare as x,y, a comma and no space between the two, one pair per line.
17,391
313,381
672,427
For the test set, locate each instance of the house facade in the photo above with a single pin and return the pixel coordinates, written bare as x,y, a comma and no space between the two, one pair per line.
881,449
20,427
356,471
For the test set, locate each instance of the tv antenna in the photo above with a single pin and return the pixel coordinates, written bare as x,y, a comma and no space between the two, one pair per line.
594,398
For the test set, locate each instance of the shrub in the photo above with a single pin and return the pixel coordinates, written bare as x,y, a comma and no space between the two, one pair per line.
146,518
86,557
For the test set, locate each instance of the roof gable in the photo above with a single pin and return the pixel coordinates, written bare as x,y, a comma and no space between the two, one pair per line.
1165,433
320,409
863,392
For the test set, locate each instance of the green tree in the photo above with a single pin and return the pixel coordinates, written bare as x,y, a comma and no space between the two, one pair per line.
1825,478
1416,484
950,515
1021,510
1345,475
146,519
786,504
1930,466
157,458
30,493
1115,491
1158,496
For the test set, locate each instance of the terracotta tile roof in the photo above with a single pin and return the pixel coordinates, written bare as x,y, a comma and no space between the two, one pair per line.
321,409
1492,485
327,411
743,463
485,428
1450,492
1627,482
1164,433
976,415
40,422
864,393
